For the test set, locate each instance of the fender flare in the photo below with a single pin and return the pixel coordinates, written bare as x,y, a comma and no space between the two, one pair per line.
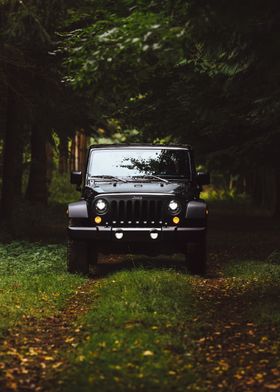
78,209
196,209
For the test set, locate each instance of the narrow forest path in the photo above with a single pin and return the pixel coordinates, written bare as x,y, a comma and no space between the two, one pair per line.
231,351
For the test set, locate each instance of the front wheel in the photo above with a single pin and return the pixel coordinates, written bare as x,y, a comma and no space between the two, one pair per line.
77,257
196,256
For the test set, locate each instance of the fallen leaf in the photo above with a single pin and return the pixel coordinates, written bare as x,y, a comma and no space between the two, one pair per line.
148,353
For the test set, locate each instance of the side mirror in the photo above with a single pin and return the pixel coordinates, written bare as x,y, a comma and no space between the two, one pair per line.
203,178
76,178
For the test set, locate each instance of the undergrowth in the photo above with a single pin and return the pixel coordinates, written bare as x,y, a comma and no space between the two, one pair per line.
33,281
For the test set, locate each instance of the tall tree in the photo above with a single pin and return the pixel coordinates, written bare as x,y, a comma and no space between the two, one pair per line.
32,76
200,71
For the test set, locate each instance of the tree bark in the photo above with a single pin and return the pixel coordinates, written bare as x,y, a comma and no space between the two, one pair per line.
277,199
49,152
73,153
19,166
63,155
37,190
12,159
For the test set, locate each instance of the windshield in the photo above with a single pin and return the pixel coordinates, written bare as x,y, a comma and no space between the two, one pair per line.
139,162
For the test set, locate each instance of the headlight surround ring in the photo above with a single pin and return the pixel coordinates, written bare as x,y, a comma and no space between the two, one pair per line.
101,206
174,207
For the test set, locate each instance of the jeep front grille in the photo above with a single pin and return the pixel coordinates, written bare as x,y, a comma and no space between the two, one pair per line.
136,211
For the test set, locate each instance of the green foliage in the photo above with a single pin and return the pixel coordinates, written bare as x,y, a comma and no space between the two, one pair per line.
34,282
214,194
136,335
116,56
139,42
200,72
62,191
274,257
117,135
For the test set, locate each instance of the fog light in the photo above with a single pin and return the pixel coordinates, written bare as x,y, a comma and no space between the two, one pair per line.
176,220
119,235
97,220
154,235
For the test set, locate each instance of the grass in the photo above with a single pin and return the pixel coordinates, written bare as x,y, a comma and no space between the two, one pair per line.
136,335
258,283
33,281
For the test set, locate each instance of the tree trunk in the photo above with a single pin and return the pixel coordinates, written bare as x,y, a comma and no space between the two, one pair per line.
277,199
19,166
73,154
12,159
79,150
63,155
37,190
49,152
257,191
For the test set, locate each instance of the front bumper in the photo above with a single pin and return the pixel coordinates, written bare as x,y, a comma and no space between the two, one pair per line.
137,234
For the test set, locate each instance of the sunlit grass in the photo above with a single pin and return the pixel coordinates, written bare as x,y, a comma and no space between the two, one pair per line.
136,335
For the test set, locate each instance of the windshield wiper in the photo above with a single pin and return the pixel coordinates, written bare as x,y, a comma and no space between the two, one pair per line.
152,177
107,177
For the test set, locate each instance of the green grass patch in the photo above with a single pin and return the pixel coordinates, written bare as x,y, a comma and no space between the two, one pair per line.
33,282
137,335
259,285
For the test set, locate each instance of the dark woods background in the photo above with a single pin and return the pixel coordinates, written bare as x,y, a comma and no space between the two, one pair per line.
200,72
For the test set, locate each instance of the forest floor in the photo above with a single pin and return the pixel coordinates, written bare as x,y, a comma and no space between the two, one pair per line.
142,323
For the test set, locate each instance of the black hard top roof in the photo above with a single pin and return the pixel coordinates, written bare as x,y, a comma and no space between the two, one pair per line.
127,145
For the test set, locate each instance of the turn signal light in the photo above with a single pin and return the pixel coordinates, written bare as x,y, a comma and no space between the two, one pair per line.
176,220
97,220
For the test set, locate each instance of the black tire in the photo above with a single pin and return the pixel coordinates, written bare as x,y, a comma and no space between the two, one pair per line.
197,257
78,257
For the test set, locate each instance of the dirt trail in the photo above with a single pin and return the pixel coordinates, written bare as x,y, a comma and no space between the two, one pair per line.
31,353
234,354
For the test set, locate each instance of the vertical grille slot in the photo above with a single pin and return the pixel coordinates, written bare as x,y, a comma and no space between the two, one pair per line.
137,210
152,210
145,210
122,210
129,210
158,209
114,210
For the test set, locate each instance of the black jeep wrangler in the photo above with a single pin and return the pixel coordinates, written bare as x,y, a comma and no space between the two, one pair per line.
138,199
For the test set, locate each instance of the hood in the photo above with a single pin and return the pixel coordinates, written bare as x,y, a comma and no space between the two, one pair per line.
181,188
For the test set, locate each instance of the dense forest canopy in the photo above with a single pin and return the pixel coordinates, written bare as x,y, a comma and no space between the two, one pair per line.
202,72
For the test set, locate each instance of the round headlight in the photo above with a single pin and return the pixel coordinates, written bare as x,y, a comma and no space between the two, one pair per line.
174,207
101,206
